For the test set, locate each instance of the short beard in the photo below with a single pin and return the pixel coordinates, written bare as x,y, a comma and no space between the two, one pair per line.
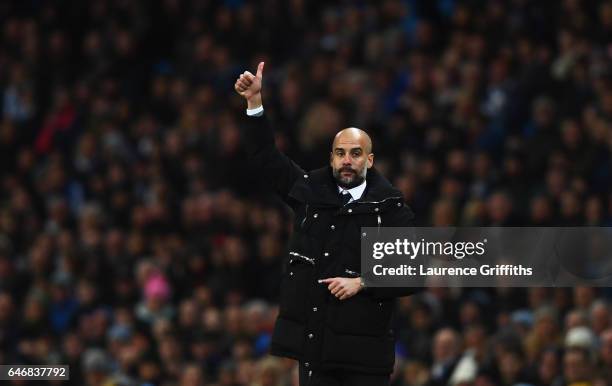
353,181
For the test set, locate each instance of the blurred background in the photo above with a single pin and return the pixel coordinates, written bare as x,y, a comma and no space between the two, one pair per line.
137,246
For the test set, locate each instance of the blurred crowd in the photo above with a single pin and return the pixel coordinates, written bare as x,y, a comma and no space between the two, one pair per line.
137,245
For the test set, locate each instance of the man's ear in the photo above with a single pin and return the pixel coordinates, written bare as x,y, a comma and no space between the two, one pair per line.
331,158
370,160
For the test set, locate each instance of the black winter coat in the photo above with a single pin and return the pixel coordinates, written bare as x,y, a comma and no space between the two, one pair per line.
313,326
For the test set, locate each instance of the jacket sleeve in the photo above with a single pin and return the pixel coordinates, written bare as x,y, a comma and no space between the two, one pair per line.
276,168
402,218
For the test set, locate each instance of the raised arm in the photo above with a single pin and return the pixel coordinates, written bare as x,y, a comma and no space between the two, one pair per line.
276,168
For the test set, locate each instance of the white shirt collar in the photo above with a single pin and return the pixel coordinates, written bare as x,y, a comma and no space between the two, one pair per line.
355,192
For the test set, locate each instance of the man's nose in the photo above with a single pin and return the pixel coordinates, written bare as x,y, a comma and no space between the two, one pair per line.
346,160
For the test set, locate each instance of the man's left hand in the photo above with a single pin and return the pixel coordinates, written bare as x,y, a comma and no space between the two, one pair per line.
343,287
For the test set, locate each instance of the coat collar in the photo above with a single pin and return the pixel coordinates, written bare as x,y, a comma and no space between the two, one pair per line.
319,187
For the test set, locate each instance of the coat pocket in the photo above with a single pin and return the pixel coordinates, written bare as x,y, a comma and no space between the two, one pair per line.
360,315
369,354
294,288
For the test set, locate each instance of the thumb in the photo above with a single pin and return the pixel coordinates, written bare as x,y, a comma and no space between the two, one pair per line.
260,68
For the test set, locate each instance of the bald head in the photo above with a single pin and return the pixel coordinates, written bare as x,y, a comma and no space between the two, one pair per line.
351,157
353,135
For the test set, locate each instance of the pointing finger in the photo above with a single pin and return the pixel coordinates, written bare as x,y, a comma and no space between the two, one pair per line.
328,280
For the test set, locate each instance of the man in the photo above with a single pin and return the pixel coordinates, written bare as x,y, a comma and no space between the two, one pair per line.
337,329
446,354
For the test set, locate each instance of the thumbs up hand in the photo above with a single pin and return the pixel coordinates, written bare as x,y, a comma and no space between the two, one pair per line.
249,86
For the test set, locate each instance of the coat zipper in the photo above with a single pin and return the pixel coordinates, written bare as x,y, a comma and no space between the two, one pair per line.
377,202
305,258
305,216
